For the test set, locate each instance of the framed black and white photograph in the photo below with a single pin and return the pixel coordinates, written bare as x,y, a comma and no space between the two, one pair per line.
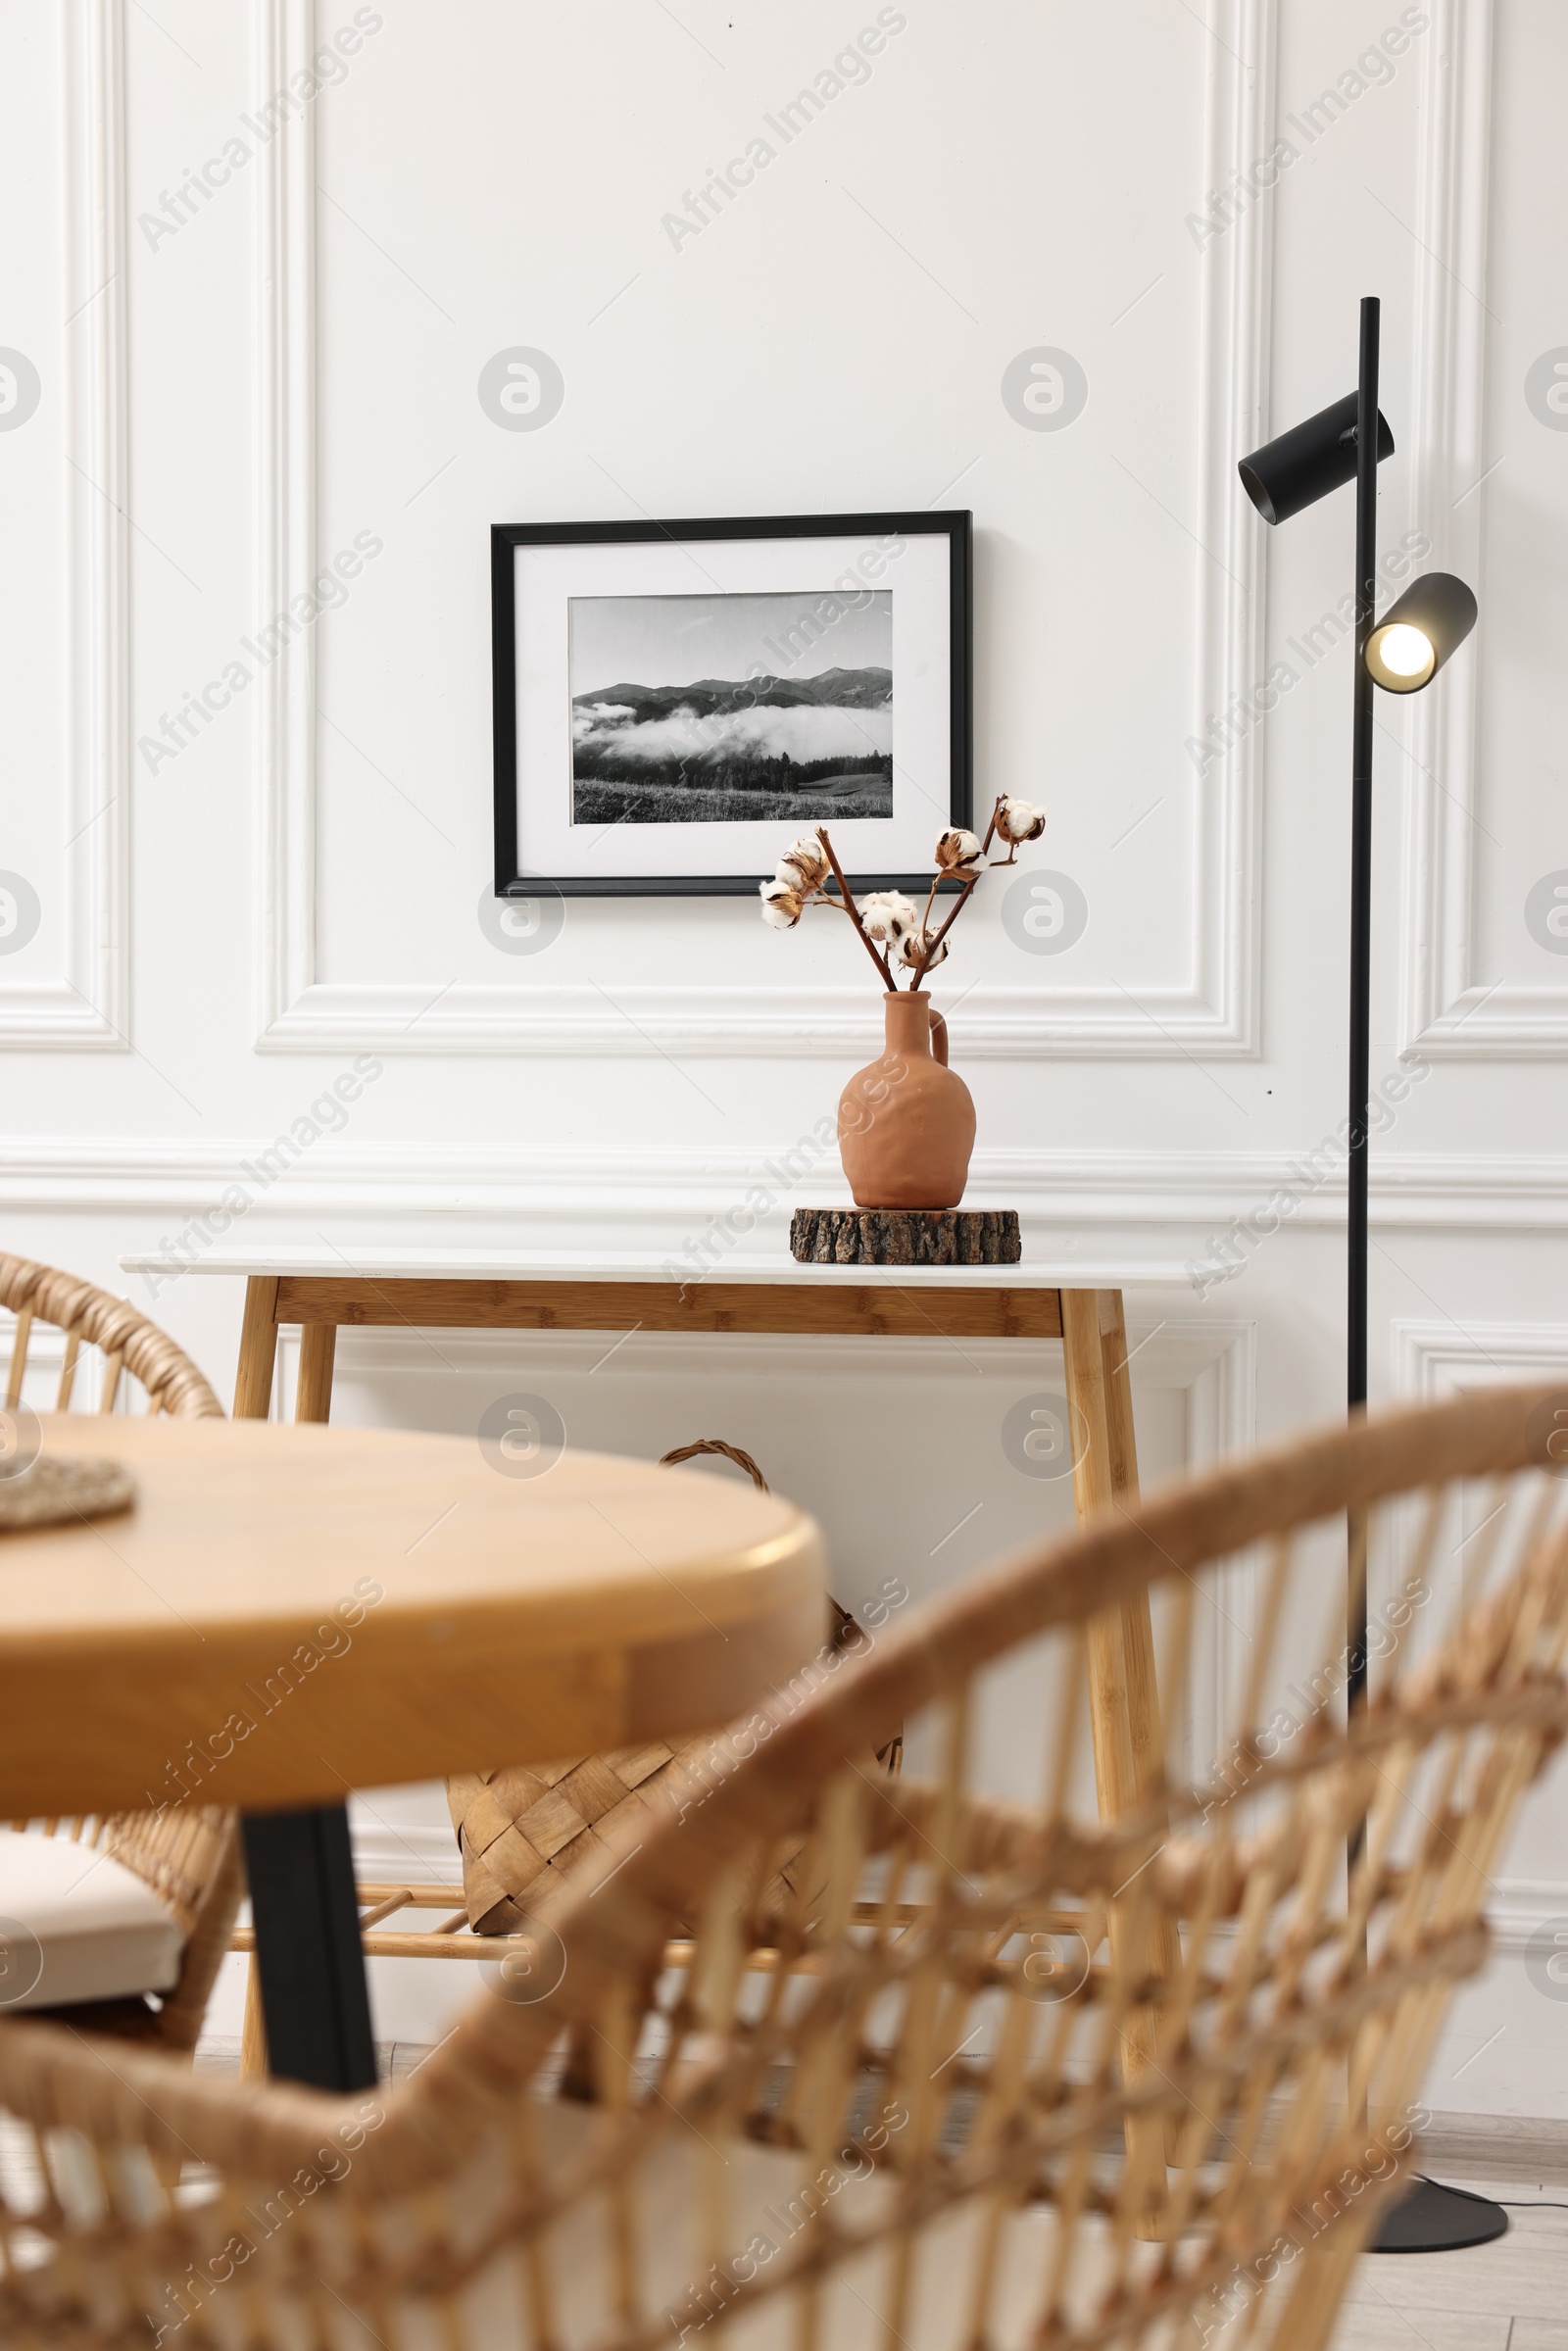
676,702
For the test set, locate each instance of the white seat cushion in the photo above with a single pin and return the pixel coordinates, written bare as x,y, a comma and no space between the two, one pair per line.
76,1924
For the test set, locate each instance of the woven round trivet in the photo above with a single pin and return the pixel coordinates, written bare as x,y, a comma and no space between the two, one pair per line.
54,1491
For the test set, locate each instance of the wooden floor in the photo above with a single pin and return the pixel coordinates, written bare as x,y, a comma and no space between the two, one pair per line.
1511,2296
393,2058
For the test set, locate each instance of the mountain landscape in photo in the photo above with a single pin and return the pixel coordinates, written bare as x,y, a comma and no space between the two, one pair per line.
720,750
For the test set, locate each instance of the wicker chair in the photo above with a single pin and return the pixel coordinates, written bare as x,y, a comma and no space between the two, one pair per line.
935,2095
187,1856
91,1317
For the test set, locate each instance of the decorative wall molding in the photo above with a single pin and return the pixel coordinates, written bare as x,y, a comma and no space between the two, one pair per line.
1447,1009
1233,406
1518,1909
1212,1362
1434,1360
715,1021
1215,1011
90,1007
400,1851
285,519
657,1186
1216,1364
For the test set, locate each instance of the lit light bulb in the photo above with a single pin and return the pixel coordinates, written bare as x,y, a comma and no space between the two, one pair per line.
1404,651
1435,614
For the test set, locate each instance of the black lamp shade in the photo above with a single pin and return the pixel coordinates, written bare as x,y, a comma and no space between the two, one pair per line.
1416,635
1309,461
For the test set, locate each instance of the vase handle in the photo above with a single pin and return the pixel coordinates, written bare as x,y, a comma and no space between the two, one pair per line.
939,1039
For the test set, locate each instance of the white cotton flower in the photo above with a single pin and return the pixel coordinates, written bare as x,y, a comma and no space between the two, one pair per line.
805,866
1019,820
781,903
960,854
887,915
915,945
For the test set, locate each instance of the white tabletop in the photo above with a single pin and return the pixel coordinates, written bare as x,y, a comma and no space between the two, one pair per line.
375,1261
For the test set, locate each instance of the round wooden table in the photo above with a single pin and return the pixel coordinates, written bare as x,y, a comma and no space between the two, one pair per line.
289,1612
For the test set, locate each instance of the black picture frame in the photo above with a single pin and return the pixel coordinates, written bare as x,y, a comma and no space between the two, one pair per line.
956,525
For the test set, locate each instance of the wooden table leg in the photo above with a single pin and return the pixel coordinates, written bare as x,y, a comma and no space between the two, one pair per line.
253,1400
318,1947
317,1351
309,1956
1124,1704
1123,1695
258,1349
253,2065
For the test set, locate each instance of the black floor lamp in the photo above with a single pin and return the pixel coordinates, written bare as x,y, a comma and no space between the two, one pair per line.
1401,652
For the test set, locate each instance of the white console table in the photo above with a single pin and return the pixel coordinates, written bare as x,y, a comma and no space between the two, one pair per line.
317,1287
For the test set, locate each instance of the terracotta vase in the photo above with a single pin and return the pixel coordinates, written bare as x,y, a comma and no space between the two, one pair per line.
906,1121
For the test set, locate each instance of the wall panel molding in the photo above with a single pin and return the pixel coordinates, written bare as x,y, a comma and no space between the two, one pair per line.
1232,579
1435,1360
655,1190
1212,1360
88,1008
1215,1011
1449,1009
285,519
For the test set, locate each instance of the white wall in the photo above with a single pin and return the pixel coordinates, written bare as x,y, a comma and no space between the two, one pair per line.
224,406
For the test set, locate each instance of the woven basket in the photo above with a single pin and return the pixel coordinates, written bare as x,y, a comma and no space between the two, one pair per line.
523,1825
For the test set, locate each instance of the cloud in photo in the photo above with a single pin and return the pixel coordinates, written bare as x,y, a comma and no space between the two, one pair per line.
807,731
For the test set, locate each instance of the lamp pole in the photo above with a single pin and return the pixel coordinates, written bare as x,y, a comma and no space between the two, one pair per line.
1366,557
1401,654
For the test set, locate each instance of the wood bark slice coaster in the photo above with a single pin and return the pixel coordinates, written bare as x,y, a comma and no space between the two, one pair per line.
53,1493
905,1237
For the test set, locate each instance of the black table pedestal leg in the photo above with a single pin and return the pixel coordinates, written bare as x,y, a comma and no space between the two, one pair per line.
308,1949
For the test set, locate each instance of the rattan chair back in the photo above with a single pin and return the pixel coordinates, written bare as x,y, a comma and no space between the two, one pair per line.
93,1317
935,2093
189,1855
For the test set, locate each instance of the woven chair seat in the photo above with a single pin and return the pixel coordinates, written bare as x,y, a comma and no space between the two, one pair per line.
523,1827
531,1822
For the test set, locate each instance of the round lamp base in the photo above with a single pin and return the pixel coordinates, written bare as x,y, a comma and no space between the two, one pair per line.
1430,2217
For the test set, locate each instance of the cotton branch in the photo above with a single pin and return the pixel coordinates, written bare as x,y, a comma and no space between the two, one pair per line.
929,944
928,947
853,912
